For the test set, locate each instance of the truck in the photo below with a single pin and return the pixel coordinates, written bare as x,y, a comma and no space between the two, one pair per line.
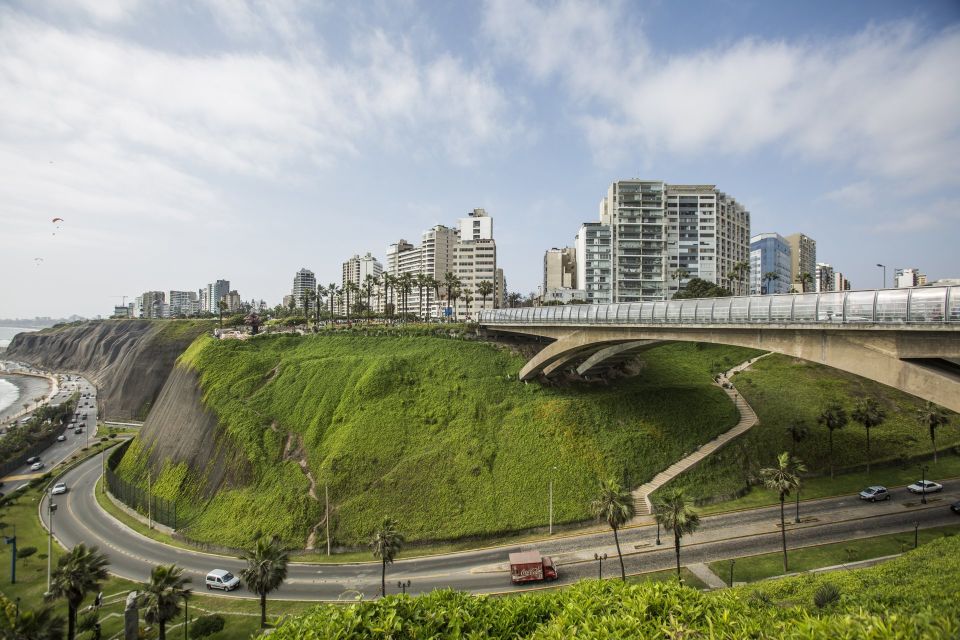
530,566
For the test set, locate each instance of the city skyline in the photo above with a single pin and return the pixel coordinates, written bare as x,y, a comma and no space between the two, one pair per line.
178,143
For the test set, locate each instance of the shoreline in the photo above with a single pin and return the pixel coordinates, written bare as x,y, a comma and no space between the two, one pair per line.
30,387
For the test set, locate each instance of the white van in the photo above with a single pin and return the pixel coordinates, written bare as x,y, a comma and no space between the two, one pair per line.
224,580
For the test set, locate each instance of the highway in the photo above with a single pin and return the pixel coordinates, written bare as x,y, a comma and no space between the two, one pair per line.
80,519
60,451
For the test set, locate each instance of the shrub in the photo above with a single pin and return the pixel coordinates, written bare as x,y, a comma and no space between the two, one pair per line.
206,625
825,595
26,552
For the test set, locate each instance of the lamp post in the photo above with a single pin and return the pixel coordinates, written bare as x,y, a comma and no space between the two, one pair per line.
12,540
916,533
551,501
186,615
884,267
600,558
51,509
733,561
923,484
658,532
403,586
796,518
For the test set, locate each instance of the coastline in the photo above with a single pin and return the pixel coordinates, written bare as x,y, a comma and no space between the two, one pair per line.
30,387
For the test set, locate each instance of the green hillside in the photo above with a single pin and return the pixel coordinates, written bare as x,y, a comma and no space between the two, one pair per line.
910,597
435,432
783,390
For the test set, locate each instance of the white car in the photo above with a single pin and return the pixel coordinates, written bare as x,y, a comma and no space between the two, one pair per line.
61,437
220,579
36,466
60,487
925,486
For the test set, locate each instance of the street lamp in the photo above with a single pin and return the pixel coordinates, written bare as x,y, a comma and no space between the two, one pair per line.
600,558
658,531
186,614
923,484
884,267
12,540
551,502
403,586
733,561
916,533
51,509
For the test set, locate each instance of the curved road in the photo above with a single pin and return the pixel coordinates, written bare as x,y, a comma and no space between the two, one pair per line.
80,519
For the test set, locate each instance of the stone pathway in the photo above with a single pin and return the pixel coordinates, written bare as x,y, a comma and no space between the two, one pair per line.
706,576
641,495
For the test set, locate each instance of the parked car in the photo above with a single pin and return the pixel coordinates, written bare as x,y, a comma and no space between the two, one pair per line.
61,437
78,430
224,580
36,466
955,507
33,459
60,487
875,493
925,486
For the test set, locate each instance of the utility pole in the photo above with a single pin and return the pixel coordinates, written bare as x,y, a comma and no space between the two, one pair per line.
326,491
51,509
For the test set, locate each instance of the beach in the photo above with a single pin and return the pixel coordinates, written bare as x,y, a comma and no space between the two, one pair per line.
16,389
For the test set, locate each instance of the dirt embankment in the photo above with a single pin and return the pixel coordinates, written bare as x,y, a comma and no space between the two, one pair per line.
128,360
181,429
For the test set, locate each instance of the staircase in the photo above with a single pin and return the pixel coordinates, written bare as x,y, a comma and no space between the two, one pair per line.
641,495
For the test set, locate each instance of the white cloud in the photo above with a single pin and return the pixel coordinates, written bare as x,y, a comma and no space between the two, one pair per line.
885,101
100,11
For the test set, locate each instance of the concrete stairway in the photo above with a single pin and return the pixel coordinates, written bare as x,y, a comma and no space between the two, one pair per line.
641,495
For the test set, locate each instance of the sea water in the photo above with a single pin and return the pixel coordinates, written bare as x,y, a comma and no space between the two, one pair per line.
9,393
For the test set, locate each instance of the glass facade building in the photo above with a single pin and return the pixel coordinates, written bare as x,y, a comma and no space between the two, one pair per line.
769,254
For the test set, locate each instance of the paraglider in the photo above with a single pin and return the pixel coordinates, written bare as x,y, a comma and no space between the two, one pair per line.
37,261
58,222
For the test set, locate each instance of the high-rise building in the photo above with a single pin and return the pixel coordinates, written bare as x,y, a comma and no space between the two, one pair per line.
150,304
803,260
560,269
769,264
908,277
234,304
215,293
840,283
304,290
475,262
501,292
203,295
183,303
357,268
476,226
824,278
594,270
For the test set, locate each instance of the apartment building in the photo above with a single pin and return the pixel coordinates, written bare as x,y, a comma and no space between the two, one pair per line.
594,266
769,254
803,260
304,290
908,277
824,278
560,268
182,303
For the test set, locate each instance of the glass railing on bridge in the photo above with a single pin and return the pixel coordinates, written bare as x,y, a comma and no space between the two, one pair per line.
920,305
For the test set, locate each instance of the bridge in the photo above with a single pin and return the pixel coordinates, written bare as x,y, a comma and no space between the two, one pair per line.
905,338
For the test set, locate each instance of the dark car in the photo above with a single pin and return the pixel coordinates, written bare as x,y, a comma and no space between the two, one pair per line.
875,493
78,431
955,507
33,459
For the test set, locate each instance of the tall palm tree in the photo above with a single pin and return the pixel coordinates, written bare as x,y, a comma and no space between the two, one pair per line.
378,284
932,417
368,289
833,417
332,292
770,277
870,414
435,284
78,573
406,286
805,279
513,299
485,288
266,569
388,282
385,543
783,478
674,511
221,307
798,431
162,596
420,281
321,294
615,505
348,288
18,623
451,282
680,274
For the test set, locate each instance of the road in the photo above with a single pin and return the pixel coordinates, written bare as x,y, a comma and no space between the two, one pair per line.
59,451
80,519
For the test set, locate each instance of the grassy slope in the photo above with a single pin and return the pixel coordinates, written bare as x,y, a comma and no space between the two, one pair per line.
782,389
909,597
433,432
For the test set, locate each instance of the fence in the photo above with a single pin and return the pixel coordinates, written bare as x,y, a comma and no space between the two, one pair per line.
159,509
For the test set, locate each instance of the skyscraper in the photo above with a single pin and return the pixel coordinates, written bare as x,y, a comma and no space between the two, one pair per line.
304,290
803,260
824,278
769,255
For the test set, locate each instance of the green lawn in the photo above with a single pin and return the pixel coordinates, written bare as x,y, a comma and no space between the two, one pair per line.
767,565
783,389
668,575
435,432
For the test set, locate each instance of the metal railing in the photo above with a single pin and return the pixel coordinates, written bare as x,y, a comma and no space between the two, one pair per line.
920,305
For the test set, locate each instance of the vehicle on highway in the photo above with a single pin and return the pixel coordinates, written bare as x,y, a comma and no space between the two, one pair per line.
955,507
925,486
36,466
78,430
530,566
875,493
61,437
224,580
60,487
33,459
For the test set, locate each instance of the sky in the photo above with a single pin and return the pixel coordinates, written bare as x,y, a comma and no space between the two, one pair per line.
182,142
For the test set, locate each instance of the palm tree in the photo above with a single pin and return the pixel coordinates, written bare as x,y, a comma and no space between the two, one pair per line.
451,282
406,286
513,299
674,511
485,288
348,288
435,285
321,294
221,307
805,279
162,596
333,291
798,431
368,289
783,478
385,544
388,282
377,284
78,573
833,417
266,569
420,281
869,413
26,624
932,417
680,274
615,505
770,277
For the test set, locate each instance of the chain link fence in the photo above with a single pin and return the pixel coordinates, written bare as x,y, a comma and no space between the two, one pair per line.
159,509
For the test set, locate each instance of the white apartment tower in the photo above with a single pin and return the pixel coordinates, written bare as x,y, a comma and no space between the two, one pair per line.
304,290
560,269
594,270
475,262
182,303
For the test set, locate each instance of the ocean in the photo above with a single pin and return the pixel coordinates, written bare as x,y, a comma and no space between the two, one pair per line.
9,393
7,333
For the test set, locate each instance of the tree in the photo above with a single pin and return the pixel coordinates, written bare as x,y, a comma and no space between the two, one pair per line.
78,573
378,284
698,288
162,596
421,280
348,288
674,511
406,286
19,623
266,569
783,478
435,285
368,290
804,280
221,307
321,294
615,505
798,431
385,543
932,417
332,292
388,282
679,274
453,284
514,298
485,288
869,413
770,277
833,417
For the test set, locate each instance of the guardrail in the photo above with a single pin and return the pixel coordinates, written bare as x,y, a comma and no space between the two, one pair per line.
916,306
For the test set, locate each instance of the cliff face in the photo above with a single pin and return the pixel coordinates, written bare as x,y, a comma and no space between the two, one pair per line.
128,360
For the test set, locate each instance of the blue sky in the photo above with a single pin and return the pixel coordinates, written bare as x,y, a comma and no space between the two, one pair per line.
184,142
